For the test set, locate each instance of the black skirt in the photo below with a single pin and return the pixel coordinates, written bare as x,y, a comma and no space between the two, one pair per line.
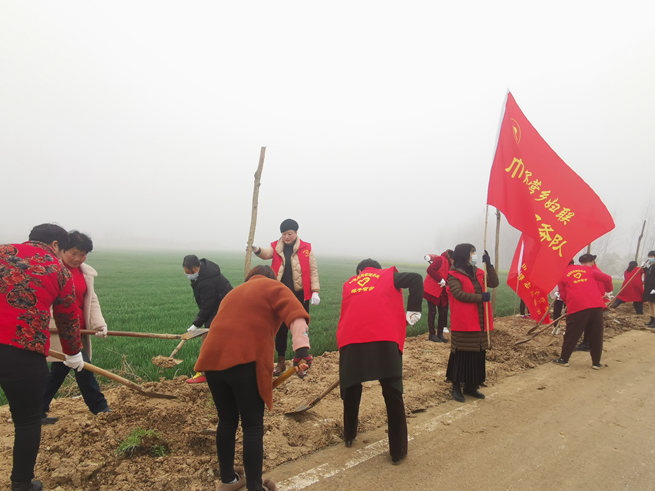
467,366
361,362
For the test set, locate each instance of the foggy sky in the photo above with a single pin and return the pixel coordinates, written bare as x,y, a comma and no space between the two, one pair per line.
140,123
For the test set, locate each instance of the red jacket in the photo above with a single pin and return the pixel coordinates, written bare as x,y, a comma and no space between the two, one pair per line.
634,292
436,272
582,287
372,309
465,316
304,248
32,281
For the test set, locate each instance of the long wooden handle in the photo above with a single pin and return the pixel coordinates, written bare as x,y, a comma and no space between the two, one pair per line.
324,393
285,375
253,212
177,348
112,376
129,334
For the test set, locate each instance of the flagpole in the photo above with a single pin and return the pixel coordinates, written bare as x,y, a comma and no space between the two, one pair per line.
496,254
485,305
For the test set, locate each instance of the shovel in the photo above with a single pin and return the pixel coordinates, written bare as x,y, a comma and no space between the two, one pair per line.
117,378
169,361
130,334
313,402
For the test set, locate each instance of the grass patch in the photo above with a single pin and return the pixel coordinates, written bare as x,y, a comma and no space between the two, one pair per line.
143,442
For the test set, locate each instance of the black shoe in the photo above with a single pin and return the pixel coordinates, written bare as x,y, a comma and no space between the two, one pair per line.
651,323
27,486
105,410
48,421
349,443
473,391
582,347
442,338
434,338
596,366
457,393
398,460
561,362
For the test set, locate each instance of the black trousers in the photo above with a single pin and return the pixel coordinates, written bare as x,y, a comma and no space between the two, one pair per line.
235,395
638,306
86,381
22,377
442,319
283,332
589,321
396,420
558,305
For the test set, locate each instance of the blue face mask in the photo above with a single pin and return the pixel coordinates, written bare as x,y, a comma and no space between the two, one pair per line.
651,260
192,276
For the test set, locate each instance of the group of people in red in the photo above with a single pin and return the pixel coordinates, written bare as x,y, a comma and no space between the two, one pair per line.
252,318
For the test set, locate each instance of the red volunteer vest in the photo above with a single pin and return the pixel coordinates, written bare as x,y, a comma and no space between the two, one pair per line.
372,309
464,316
430,285
634,292
303,256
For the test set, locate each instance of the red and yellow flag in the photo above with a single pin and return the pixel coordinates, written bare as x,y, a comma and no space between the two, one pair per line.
557,211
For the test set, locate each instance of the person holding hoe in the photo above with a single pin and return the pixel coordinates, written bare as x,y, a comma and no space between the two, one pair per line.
73,255
582,289
295,266
471,320
32,281
209,288
371,337
237,358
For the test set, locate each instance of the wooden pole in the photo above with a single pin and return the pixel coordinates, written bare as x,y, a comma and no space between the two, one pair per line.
641,236
496,255
589,249
253,214
485,305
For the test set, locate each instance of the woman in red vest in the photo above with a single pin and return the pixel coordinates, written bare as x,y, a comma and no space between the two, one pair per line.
370,338
294,265
470,319
434,291
633,281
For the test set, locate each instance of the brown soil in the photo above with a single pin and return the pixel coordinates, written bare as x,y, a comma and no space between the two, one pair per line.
80,451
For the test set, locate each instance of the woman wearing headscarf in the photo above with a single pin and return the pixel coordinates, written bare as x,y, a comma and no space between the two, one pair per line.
470,319
295,266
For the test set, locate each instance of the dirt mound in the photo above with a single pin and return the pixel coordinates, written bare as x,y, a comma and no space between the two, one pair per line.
82,450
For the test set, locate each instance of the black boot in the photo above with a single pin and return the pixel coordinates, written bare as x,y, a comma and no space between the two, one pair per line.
27,486
472,390
457,392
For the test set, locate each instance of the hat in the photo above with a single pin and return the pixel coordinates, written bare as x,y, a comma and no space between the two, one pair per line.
587,258
288,224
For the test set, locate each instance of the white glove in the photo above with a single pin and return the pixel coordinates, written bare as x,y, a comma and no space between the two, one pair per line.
315,299
413,317
442,283
652,292
609,295
192,328
557,296
75,361
102,332
427,258
256,249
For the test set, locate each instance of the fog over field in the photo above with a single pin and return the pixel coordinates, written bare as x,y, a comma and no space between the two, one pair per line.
141,123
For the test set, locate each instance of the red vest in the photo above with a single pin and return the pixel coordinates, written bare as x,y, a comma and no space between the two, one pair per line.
430,285
464,316
303,256
372,309
634,292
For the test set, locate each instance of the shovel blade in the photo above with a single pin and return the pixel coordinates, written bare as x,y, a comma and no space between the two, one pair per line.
165,361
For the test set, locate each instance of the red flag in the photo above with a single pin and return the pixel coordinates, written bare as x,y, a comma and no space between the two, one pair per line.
539,194
520,280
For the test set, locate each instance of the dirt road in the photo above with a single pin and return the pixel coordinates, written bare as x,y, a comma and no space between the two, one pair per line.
547,428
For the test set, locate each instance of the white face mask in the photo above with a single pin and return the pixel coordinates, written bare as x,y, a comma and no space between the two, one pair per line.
474,259
192,276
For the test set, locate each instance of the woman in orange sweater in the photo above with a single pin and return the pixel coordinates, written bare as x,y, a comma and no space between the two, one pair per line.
237,358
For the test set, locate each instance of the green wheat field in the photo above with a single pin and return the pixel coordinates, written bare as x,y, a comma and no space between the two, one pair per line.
148,292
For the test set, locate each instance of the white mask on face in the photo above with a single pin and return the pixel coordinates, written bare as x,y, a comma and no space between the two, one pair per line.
474,259
192,276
